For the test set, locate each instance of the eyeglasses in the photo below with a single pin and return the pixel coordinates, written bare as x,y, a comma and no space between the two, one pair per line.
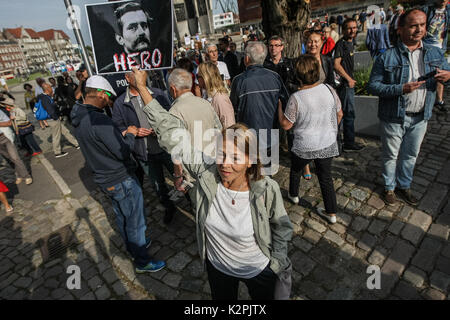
275,45
107,93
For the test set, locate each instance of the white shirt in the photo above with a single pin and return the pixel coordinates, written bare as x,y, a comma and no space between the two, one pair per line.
223,70
230,238
415,101
2,82
38,90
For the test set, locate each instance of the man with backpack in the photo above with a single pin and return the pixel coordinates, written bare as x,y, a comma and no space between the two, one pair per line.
46,103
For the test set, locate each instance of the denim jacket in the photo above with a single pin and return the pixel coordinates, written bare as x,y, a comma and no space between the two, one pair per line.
391,70
271,224
430,10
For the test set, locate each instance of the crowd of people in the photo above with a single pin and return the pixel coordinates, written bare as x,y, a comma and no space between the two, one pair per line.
242,227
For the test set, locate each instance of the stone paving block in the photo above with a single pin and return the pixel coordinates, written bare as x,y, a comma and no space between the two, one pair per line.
385,215
341,200
367,211
296,218
103,293
95,283
195,269
193,285
312,290
443,264
433,199
341,293
58,293
376,202
334,237
302,263
343,218
338,228
404,213
432,294
303,245
377,227
315,225
110,275
359,194
440,281
178,262
326,277
378,256
23,282
439,231
415,276
353,206
119,288
395,227
416,227
360,224
407,292
347,251
172,279
426,256
367,242
394,266
444,175
312,236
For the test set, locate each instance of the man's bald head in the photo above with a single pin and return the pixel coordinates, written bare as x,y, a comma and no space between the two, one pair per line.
47,88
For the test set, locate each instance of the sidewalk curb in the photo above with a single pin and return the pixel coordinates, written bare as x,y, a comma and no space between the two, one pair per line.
55,175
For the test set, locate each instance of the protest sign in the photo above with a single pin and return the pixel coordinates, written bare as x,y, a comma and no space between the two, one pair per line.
128,34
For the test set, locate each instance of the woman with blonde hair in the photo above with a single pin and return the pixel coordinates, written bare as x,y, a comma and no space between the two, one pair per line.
210,80
242,226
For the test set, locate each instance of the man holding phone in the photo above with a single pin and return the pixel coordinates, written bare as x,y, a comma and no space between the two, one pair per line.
405,79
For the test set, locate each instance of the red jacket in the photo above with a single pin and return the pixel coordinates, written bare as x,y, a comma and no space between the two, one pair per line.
328,46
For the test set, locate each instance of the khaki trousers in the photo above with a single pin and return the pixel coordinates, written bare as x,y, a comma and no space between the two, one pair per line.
9,151
57,129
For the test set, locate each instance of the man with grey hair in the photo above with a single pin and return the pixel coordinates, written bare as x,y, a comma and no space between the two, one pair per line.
256,93
212,54
193,111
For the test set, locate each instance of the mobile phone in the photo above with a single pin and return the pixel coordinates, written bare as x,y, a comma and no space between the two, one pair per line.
427,76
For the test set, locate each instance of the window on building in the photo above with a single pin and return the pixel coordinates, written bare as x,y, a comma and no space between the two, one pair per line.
180,11
202,9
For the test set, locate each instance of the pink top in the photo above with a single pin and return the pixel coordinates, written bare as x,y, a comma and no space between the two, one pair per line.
224,109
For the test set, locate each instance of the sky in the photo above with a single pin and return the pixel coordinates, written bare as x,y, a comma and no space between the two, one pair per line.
48,14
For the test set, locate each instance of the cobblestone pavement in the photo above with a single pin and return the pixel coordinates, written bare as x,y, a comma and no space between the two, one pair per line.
409,244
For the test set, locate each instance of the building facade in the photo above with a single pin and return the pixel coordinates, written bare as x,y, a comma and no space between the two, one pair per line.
250,11
34,47
223,19
59,43
12,60
192,17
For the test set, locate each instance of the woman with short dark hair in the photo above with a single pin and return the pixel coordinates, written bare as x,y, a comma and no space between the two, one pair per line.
314,113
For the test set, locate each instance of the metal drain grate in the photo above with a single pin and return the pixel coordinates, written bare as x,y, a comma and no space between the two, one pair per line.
56,244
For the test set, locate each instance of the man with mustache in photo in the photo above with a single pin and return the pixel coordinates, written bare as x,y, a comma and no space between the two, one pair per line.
134,35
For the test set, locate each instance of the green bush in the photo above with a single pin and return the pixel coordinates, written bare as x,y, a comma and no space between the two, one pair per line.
362,79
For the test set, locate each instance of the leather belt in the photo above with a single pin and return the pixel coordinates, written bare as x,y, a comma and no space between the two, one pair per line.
414,114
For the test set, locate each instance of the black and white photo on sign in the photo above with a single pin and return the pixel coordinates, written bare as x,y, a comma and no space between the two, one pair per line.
132,33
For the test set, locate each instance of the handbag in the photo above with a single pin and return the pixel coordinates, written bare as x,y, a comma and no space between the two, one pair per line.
25,128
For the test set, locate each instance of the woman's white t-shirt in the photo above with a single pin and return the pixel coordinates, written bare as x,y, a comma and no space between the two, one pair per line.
230,238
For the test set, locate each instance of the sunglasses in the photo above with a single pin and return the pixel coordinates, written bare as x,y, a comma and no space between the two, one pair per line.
107,93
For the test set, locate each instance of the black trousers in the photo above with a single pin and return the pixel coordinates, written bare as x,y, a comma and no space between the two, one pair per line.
323,171
225,287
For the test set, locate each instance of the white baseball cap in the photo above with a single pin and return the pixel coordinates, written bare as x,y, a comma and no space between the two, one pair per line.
98,82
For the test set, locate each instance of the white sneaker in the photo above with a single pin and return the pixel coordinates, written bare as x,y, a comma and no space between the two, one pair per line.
295,200
29,180
330,218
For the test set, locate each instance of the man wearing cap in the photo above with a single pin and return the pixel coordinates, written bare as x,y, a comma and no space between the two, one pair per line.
54,121
108,153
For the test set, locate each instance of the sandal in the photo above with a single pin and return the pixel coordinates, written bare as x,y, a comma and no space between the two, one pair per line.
307,176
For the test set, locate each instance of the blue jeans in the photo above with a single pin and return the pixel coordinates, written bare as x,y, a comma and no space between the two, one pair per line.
128,205
347,96
400,148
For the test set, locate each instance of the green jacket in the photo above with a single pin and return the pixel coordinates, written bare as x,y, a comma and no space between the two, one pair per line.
271,224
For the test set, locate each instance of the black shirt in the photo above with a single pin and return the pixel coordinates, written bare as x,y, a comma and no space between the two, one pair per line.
345,50
285,69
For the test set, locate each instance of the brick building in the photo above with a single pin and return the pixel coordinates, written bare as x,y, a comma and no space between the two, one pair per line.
250,11
34,47
59,43
12,60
